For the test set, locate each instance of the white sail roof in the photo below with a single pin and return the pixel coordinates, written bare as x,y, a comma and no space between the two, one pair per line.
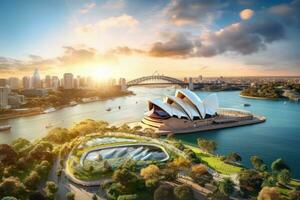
194,99
187,108
171,110
211,104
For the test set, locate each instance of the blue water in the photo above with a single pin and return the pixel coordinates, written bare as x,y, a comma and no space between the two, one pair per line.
278,137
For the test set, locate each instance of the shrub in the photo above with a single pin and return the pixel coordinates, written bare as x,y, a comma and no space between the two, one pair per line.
250,182
183,192
70,196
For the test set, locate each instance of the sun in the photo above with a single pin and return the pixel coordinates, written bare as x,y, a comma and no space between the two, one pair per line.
101,73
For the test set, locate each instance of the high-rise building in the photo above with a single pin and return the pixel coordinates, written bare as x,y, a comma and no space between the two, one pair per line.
13,83
36,80
68,81
47,81
3,82
55,83
26,83
75,83
4,91
82,82
122,83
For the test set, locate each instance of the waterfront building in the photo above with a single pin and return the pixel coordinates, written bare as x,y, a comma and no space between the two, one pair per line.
3,82
186,112
26,82
13,83
68,81
122,83
15,100
4,92
191,84
47,82
36,80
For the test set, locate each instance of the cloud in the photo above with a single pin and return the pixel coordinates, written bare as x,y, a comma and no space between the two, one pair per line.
289,13
177,46
87,8
241,38
125,50
246,14
122,21
183,12
117,22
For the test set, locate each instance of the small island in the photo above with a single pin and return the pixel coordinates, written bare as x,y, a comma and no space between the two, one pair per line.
272,90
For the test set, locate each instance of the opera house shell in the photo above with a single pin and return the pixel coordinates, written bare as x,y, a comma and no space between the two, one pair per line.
184,105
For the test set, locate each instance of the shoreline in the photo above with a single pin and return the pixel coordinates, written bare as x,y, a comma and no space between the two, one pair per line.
33,113
253,97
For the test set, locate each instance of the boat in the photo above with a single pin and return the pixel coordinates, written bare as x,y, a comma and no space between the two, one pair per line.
49,125
108,109
247,104
73,103
49,110
119,107
5,127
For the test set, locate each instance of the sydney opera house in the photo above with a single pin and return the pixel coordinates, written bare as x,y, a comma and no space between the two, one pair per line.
186,112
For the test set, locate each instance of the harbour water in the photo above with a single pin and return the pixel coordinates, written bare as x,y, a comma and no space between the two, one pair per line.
278,137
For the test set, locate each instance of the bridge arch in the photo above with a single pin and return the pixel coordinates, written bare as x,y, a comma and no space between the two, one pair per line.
155,77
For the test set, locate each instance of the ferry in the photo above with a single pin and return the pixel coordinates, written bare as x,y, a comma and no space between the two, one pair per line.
49,110
5,127
247,104
108,109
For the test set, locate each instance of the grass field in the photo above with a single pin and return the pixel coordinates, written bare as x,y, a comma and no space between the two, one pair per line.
215,163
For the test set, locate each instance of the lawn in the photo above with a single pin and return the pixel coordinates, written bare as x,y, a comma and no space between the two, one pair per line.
215,163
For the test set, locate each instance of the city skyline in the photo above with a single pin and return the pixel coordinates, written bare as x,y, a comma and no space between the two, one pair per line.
110,39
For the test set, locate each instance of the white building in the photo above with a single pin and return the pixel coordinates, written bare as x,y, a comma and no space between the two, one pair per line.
55,83
68,81
14,83
4,92
184,105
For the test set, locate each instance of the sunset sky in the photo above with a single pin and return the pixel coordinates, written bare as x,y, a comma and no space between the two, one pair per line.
131,38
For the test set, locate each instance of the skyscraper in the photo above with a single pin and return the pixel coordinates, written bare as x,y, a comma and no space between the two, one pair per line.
55,82
26,83
47,81
36,80
68,80
3,82
13,83
4,91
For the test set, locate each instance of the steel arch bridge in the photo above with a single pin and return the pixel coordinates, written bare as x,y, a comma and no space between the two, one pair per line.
141,80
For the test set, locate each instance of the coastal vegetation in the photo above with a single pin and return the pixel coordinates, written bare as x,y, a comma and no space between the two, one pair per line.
270,90
27,168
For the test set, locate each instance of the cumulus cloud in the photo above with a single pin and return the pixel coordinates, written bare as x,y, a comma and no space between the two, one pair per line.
87,8
116,22
289,13
242,38
125,50
246,14
177,46
182,12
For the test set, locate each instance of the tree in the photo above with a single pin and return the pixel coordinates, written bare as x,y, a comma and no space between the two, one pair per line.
8,154
124,176
164,192
192,155
250,182
32,181
269,193
207,145
234,157
200,174
284,176
12,186
226,186
180,163
58,135
20,144
279,165
70,196
36,196
256,162
183,192
150,172
50,189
